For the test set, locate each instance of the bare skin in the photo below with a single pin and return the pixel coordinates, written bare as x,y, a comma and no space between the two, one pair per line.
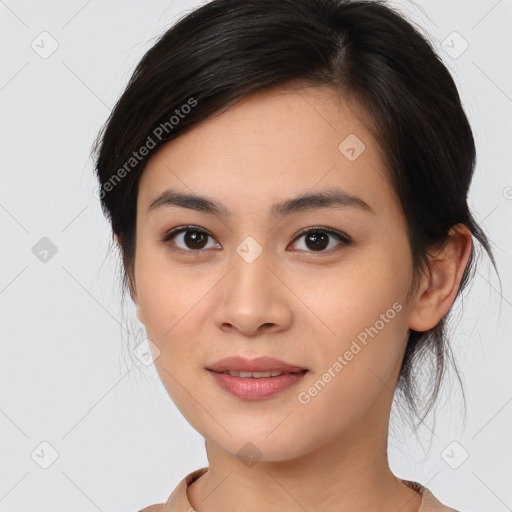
293,302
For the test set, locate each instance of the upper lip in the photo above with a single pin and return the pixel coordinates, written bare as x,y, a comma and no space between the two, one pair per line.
259,364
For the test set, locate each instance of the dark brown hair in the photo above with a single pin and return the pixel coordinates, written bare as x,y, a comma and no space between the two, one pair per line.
227,50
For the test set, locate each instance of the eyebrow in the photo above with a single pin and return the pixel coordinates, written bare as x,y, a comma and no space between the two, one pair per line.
331,198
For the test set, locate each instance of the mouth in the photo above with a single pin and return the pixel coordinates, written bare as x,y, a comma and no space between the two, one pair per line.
254,368
258,375
255,379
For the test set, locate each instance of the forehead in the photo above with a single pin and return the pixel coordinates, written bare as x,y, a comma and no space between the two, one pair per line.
278,143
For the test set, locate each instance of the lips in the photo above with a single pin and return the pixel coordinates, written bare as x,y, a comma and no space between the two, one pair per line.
255,379
244,366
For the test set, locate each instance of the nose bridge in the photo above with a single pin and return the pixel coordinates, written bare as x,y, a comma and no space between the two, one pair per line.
250,294
251,276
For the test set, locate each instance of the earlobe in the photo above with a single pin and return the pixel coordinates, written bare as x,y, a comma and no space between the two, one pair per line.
140,316
439,289
131,286
135,298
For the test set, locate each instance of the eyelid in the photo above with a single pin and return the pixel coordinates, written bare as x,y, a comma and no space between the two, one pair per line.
180,229
345,239
323,229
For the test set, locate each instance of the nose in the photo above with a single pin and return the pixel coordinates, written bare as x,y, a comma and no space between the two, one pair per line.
253,299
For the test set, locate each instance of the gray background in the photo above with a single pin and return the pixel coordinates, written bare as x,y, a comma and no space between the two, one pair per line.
69,378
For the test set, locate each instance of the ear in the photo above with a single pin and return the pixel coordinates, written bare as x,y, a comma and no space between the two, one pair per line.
135,298
133,290
437,291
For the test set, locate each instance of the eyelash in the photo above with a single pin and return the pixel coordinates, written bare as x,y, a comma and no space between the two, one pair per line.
316,229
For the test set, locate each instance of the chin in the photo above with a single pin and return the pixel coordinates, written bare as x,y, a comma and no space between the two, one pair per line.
258,446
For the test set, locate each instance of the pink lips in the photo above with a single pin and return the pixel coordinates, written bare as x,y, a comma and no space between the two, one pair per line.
259,364
251,388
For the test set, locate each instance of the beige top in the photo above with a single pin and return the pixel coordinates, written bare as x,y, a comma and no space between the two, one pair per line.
178,500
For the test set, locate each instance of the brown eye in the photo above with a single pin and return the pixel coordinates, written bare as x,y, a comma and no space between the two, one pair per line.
195,239
318,239
188,239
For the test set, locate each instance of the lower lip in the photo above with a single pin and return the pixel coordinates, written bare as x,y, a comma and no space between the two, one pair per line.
256,389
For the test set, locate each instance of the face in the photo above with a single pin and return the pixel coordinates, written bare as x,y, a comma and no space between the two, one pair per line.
246,280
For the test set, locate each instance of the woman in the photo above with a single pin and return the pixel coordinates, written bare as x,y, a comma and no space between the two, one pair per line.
286,181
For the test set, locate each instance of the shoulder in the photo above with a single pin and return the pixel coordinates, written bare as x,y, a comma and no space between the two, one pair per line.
178,500
154,508
430,503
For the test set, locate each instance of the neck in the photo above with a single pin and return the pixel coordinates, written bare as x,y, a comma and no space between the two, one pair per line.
351,472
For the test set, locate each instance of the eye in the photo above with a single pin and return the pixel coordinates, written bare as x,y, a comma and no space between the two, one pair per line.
192,237
318,238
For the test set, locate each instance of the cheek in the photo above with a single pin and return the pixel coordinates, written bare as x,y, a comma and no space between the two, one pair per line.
358,365
175,306
363,328
365,348
171,296
345,300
